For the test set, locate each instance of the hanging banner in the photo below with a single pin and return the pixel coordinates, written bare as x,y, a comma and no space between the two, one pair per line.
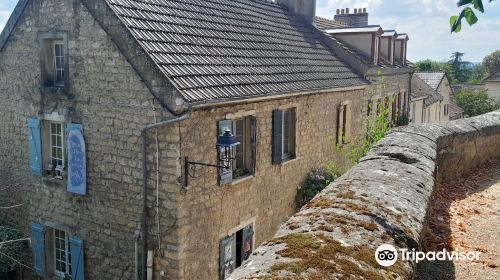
77,170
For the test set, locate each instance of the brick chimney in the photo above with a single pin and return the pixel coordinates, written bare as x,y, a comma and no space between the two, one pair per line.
358,18
303,8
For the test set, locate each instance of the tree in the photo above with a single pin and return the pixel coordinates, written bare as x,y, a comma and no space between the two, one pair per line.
467,13
433,66
477,74
475,103
12,241
492,62
460,67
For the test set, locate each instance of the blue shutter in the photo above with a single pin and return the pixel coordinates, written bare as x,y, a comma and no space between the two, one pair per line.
277,140
38,244
77,271
77,166
253,140
35,146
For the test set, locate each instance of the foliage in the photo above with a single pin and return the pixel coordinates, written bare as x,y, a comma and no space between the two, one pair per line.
477,74
378,124
314,183
467,13
9,251
433,66
492,62
460,68
475,102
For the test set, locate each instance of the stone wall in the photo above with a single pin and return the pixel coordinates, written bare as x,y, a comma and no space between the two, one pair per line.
109,99
381,200
208,212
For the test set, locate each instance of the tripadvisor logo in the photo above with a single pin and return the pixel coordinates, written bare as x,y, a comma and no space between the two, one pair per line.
387,255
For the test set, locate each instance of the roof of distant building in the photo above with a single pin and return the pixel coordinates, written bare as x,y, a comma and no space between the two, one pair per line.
433,79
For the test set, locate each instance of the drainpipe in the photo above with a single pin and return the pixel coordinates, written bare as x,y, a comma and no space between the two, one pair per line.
144,227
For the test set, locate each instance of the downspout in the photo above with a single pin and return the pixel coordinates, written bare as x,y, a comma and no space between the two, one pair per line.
144,228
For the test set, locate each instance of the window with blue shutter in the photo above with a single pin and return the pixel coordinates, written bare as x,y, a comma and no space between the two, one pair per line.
77,268
38,246
277,140
77,170
35,146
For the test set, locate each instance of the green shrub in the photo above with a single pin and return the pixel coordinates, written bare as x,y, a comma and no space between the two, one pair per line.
313,184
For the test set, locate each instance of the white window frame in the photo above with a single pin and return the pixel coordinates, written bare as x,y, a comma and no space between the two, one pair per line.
52,145
60,69
66,250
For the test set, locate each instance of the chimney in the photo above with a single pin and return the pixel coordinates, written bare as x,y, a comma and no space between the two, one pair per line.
304,8
358,18
338,11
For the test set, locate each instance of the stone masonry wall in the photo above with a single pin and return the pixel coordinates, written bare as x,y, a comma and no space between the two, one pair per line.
381,200
208,211
108,98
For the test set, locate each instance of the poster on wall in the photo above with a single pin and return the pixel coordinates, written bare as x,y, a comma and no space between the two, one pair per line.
77,170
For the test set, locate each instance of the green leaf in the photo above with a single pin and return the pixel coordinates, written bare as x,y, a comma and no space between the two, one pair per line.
478,5
463,2
455,22
470,16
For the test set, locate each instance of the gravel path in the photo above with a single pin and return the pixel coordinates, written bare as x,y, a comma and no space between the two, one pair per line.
465,216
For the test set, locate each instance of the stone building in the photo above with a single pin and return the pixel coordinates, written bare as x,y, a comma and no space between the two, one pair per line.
431,98
492,85
104,101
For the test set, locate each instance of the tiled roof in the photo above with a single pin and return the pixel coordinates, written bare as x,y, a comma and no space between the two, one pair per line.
495,77
433,79
225,49
454,110
323,23
419,88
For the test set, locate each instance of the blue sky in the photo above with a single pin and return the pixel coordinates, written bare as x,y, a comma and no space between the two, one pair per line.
425,21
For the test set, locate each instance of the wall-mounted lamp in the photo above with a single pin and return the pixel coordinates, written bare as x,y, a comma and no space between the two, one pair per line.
226,153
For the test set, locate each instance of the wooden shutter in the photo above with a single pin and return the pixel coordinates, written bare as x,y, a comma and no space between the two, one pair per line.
348,121
293,133
340,125
277,140
77,170
247,248
38,245
35,146
77,268
253,142
227,260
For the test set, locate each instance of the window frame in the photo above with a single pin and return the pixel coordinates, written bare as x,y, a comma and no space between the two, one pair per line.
61,68
66,250
245,147
55,146
290,139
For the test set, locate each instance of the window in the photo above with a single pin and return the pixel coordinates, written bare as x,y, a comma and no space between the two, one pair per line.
284,123
54,62
62,253
53,149
235,249
245,129
59,63
446,109
376,50
56,253
344,124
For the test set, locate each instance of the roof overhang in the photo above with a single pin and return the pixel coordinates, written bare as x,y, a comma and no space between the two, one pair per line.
12,22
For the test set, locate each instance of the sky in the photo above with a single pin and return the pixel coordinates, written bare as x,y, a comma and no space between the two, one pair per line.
425,21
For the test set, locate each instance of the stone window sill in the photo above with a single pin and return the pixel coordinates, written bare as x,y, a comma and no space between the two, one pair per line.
288,161
49,180
242,179
53,89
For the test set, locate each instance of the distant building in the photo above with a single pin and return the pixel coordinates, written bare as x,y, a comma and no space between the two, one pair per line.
431,97
492,85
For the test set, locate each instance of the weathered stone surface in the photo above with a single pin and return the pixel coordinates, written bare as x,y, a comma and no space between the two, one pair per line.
383,199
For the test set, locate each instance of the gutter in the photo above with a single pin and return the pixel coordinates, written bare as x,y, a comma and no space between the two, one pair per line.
144,227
